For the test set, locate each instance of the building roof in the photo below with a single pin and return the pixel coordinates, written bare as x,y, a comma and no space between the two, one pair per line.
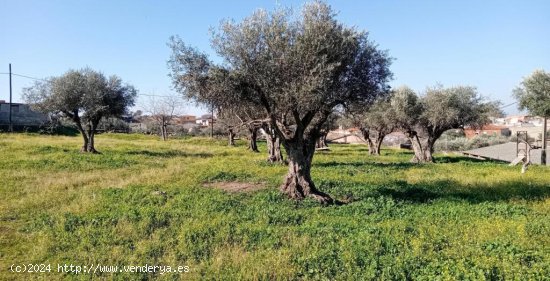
13,103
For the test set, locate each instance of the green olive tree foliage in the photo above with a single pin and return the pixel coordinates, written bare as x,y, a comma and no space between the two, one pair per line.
296,68
376,123
405,111
85,97
215,86
534,93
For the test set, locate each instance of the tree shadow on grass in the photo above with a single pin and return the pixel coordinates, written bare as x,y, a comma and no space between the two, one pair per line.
405,165
331,152
476,193
169,153
360,149
396,165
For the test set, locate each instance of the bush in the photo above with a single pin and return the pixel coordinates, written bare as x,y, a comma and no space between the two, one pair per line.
113,125
462,143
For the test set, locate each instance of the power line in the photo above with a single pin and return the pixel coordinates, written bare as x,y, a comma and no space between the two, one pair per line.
25,76
508,105
29,77
39,79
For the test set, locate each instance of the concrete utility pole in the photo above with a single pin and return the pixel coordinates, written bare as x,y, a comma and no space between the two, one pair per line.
11,124
544,140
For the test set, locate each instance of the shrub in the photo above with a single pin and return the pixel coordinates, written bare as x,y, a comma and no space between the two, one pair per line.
462,143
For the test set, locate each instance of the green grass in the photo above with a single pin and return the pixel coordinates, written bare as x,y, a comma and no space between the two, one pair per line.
458,219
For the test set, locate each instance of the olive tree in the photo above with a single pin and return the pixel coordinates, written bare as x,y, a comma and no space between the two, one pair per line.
534,95
298,69
425,118
228,120
330,124
405,110
376,123
85,97
244,117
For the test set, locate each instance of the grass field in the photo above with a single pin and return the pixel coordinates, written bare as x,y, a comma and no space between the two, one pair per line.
143,201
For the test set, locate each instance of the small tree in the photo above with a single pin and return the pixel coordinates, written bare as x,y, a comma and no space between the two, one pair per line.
83,96
252,119
241,116
376,123
162,110
534,95
230,122
406,110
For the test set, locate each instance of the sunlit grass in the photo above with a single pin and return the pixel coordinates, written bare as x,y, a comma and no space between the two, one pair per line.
143,201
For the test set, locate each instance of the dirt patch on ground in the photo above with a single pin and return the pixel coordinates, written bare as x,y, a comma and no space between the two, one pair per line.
233,186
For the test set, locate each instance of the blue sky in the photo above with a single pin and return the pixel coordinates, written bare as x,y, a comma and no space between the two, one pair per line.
487,44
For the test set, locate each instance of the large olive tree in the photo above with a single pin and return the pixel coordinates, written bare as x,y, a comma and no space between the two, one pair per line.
534,95
298,69
85,97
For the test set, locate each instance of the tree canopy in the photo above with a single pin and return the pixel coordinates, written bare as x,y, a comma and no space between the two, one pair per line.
375,123
534,93
84,96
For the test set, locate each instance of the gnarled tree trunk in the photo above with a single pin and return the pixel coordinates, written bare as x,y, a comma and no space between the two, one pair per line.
321,142
88,133
370,144
377,144
429,149
76,119
252,145
84,147
422,147
163,131
274,148
231,137
91,143
273,144
298,183
90,130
